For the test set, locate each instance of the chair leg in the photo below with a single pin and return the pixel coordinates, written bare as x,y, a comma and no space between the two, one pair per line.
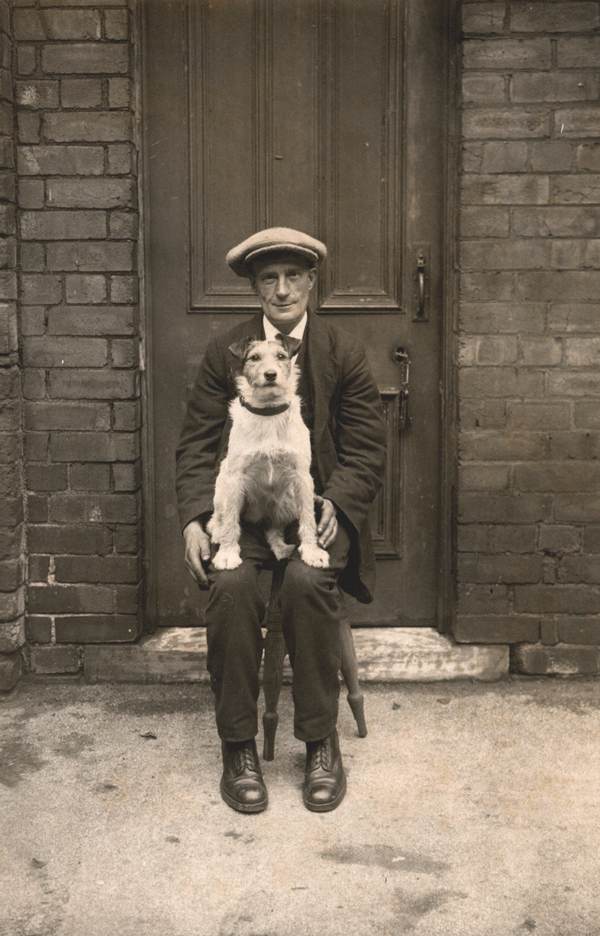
355,697
272,681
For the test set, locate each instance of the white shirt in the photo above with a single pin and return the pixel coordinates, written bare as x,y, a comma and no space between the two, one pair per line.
297,332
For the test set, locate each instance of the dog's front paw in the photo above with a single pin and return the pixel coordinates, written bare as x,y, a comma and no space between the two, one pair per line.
314,556
227,558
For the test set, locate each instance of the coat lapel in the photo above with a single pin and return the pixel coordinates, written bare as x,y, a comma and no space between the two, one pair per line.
322,374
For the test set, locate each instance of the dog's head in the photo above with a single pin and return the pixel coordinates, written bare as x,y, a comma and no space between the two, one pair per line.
268,374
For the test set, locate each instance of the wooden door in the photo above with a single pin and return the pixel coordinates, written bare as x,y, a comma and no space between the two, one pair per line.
323,115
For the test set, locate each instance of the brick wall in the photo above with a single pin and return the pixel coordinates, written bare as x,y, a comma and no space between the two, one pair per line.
11,498
77,217
529,333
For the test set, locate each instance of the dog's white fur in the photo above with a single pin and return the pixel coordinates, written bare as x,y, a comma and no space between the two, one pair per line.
265,476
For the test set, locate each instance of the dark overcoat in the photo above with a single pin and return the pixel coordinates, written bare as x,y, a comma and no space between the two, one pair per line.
348,436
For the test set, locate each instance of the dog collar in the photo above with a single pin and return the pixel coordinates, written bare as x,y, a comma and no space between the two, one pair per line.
267,410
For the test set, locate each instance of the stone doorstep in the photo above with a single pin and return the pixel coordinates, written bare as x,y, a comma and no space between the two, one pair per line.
385,655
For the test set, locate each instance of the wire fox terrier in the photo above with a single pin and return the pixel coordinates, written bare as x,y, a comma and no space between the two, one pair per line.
265,477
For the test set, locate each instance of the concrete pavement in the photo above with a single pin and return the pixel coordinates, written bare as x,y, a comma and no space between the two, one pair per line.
472,810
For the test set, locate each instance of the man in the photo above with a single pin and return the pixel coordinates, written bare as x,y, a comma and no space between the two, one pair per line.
341,407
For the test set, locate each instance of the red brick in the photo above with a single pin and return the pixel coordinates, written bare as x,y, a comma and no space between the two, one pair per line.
127,539
123,224
54,660
575,445
588,156
489,445
36,446
483,89
76,125
565,383
61,599
34,384
484,477
106,569
124,353
579,630
539,415
504,508
553,476
582,568
500,382
483,17
38,628
483,599
505,255
67,416
95,508
587,415
85,58
126,477
556,222
580,285
90,192
31,194
484,222
544,352
60,160
90,477
38,569
551,155
80,539
557,599
81,92
97,628
505,189
562,660
119,92
512,538
11,543
507,53
93,446
575,254
64,352
577,189
555,86
37,508
85,287
91,256
502,123
542,17
95,320
63,225
11,575
500,569
116,24
582,352
59,24
10,671
123,288
495,629
120,160
46,477
28,127
104,384
504,157
32,258
579,52
128,598
25,59
36,94
489,286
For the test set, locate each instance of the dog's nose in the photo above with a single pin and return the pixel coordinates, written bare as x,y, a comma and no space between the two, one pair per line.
271,376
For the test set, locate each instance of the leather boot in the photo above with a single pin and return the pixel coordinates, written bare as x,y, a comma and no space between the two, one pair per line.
242,784
324,780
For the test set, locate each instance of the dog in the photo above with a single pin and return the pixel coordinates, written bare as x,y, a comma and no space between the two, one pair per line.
265,476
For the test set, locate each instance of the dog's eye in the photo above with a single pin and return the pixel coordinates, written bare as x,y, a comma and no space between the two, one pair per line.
281,356
254,357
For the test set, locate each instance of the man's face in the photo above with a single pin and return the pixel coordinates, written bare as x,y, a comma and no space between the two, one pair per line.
283,287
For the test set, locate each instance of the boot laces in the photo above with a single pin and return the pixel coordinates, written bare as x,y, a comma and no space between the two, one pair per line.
321,756
245,760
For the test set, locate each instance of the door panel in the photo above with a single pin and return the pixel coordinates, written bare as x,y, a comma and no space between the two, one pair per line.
325,115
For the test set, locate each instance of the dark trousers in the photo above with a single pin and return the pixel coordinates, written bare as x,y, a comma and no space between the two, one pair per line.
310,612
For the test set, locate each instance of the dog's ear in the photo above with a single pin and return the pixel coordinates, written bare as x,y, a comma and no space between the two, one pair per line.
291,345
239,348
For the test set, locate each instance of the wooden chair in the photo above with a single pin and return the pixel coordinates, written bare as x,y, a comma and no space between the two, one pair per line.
275,651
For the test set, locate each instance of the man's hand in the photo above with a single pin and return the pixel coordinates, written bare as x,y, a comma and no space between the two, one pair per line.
328,525
197,551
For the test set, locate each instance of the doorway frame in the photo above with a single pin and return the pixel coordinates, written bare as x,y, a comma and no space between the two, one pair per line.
450,145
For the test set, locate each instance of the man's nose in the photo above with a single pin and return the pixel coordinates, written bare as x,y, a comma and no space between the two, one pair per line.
270,376
282,286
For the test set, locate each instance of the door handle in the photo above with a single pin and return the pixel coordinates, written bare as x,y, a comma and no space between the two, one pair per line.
402,359
421,267
421,282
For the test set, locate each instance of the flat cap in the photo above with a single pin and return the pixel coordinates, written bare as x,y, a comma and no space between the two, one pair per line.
274,240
